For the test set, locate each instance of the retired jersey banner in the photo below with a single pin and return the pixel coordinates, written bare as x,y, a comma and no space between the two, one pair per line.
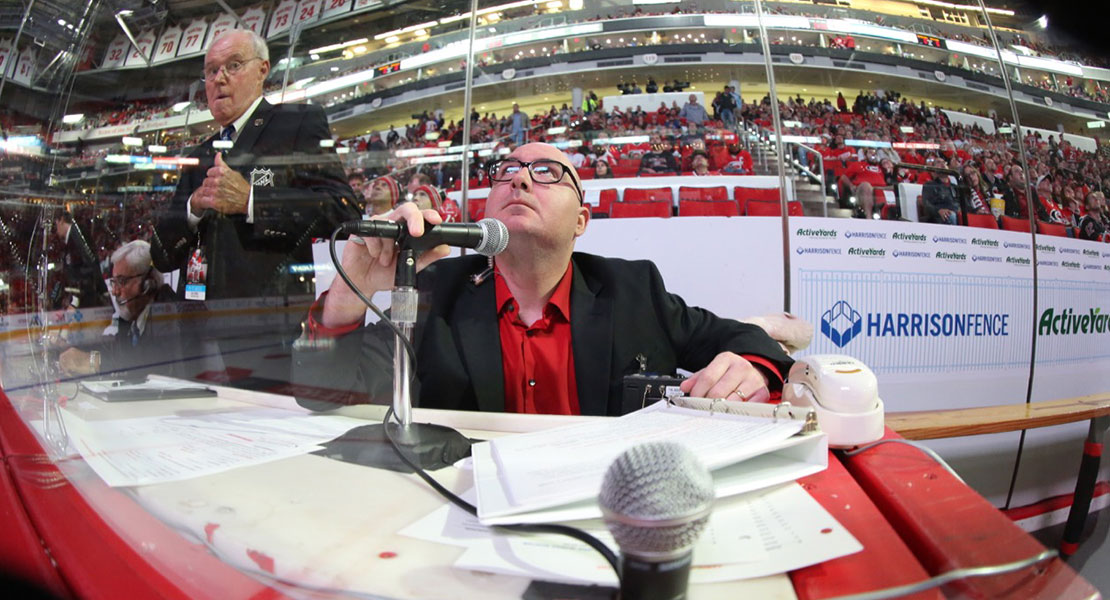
192,39
254,18
139,55
117,52
308,11
167,44
282,17
24,71
223,24
336,7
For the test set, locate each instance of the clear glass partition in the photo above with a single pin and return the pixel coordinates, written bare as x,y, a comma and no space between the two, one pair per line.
869,169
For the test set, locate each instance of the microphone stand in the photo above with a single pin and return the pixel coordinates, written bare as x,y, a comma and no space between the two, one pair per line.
426,445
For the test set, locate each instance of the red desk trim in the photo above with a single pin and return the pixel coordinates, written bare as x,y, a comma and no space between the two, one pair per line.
143,559
950,526
21,550
885,560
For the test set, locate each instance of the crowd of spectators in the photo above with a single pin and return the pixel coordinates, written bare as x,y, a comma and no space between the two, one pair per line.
129,112
961,168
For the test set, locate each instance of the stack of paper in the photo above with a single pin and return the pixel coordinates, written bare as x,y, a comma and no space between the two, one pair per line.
556,474
752,535
148,450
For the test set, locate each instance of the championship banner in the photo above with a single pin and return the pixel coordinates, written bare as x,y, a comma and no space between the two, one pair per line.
925,306
308,11
6,54
282,17
117,52
254,18
336,7
223,24
138,56
167,44
24,70
192,40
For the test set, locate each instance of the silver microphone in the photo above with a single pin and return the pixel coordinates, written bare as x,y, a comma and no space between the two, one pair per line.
656,499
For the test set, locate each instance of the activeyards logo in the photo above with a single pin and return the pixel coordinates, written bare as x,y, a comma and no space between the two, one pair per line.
1071,322
867,252
952,256
824,234
841,324
1089,252
1069,264
913,238
1018,260
984,243
1046,248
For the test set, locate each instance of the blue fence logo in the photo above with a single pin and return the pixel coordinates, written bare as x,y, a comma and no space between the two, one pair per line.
841,323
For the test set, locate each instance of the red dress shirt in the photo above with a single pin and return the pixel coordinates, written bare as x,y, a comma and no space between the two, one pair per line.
537,358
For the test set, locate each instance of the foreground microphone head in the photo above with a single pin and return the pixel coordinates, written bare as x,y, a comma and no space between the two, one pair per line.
495,237
656,499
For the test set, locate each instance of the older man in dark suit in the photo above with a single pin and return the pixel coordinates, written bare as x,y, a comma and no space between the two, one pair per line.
144,342
263,188
543,329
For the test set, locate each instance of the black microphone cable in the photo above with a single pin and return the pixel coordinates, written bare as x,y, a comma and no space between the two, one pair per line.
447,494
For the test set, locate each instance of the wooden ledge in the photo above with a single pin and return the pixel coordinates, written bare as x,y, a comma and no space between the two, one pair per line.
935,424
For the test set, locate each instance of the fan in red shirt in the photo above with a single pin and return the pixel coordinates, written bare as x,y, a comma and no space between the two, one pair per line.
862,179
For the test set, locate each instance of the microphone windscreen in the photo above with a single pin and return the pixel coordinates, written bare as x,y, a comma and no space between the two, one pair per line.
495,237
656,499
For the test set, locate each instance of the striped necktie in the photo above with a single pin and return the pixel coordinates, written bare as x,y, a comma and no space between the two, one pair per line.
227,132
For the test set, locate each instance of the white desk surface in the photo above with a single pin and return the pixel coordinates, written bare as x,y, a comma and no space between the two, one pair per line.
330,524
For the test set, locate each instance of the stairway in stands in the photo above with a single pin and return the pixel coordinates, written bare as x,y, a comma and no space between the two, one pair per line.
814,200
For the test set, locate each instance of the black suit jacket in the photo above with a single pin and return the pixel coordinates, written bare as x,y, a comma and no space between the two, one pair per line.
165,344
82,278
620,310
308,198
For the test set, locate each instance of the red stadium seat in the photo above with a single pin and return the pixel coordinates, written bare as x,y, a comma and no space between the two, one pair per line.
653,208
719,192
648,194
984,221
689,193
619,171
477,208
628,163
707,208
743,194
606,200
768,208
1012,224
1052,229
586,172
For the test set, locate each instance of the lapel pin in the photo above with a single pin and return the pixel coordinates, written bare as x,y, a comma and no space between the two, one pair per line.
258,122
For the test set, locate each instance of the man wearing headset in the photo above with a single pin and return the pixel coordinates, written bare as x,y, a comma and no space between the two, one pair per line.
541,329
138,343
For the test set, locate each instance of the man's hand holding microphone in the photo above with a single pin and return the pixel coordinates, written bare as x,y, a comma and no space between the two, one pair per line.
371,263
